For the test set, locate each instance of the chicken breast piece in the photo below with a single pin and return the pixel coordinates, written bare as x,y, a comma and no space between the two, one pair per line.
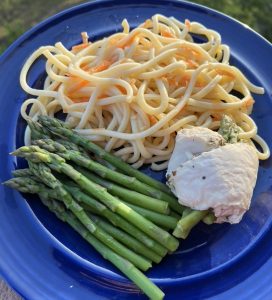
222,179
189,143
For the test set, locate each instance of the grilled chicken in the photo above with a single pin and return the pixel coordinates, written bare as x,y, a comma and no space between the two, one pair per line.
206,173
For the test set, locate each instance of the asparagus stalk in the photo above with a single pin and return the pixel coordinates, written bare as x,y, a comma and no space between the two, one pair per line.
126,194
153,249
26,182
124,238
44,173
229,130
104,172
38,131
58,128
149,288
105,163
58,164
22,173
185,224
23,186
209,218
167,222
186,212
174,214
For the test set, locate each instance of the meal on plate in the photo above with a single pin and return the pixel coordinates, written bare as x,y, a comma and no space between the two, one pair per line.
162,94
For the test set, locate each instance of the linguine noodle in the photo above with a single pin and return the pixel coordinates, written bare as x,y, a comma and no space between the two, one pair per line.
132,91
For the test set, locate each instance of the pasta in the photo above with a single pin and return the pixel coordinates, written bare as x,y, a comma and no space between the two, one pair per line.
132,91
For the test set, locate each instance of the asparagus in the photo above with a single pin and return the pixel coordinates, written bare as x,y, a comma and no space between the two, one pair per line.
38,131
125,238
174,214
104,172
30,185
55,162
186,212
229,130
126,194
149,288
27,186
22,173
44,173
185,224
58,128
153,249
70,146
209,218
105,163
167,222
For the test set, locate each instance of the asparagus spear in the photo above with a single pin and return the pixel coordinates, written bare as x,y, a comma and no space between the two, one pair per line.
26,182
167,222
104,172
125,238
98,208
149,288
105,163
229,130
44,173
58,164
58,128
126,194
186,212
185,224
174,214
22,173
209,218
38,131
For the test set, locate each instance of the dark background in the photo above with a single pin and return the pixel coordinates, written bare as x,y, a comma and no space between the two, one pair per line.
16,16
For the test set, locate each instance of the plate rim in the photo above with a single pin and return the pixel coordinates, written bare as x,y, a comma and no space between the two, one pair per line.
92,5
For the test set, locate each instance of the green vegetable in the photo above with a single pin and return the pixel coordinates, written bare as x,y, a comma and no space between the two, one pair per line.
130,182
30,186
165,221
126,194
153,250
229,130
126,239
55,162
209,218
147,286
58,128
186,224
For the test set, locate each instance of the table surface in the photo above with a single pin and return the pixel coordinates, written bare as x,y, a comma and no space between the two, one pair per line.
6,293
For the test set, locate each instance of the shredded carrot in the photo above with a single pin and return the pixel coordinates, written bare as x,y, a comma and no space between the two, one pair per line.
118,44
80,100
77,83
192,64
104,65
249,103
217,117
152,119
168,34
224,73
102,96
121,89
127,44
148,23
185,80
76,48
187,24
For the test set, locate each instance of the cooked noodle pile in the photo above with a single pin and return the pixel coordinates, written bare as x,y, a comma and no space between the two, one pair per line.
132,91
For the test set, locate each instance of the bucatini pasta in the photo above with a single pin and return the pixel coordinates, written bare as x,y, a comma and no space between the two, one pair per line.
132,91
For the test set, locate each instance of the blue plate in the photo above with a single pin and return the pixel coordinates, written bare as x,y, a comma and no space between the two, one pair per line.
42,258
